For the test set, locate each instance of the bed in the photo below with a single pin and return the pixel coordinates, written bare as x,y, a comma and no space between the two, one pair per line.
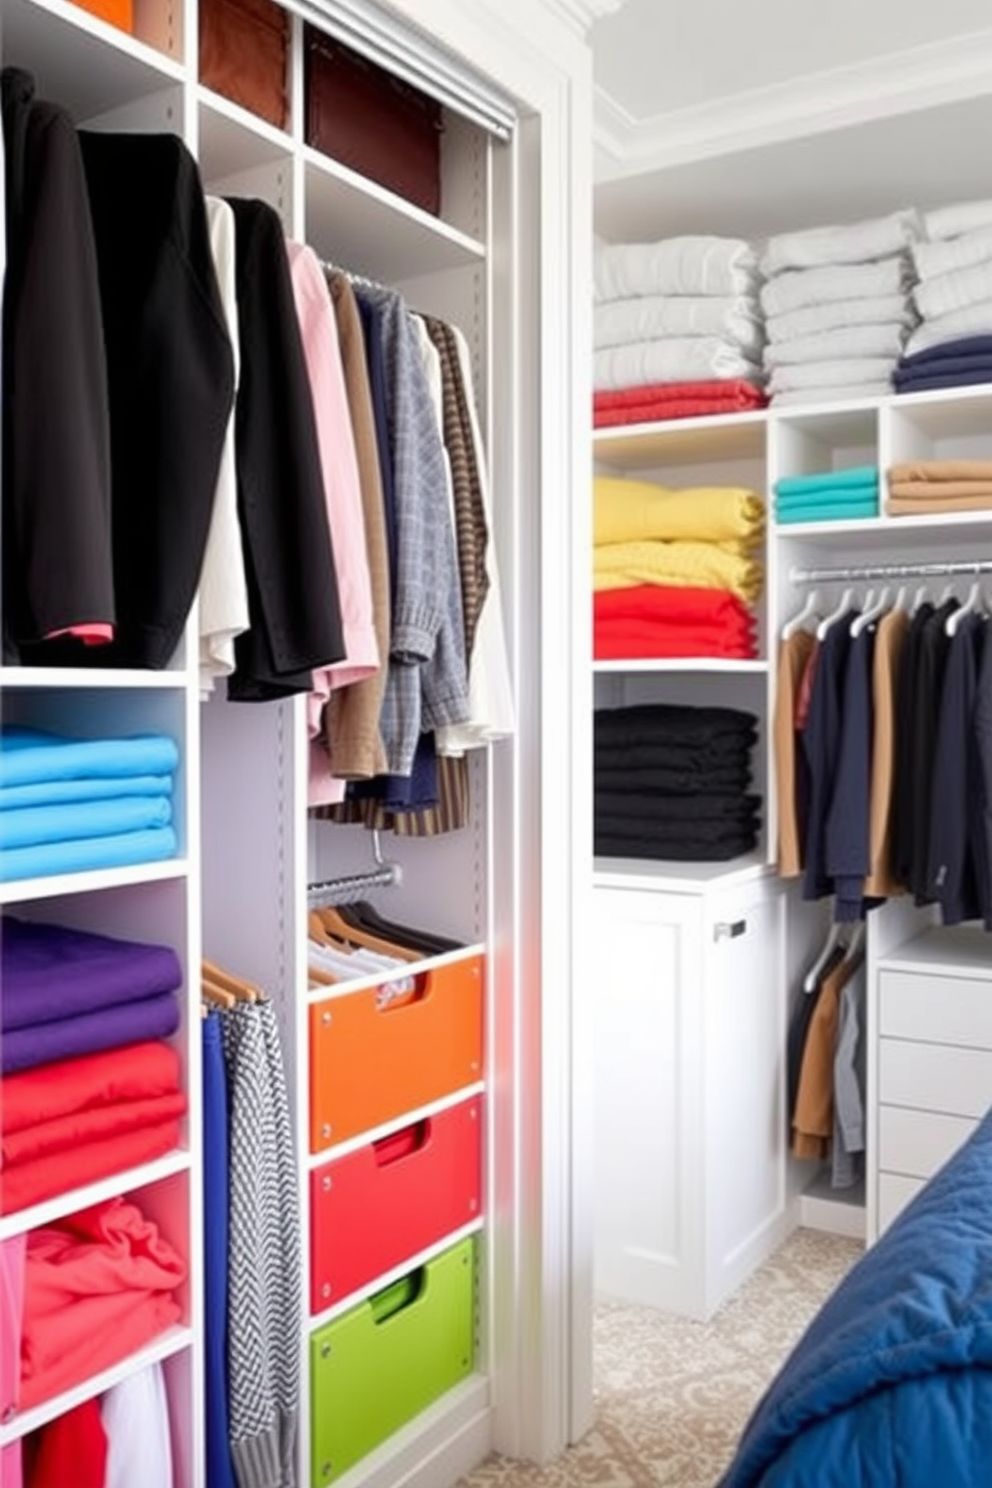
891,1385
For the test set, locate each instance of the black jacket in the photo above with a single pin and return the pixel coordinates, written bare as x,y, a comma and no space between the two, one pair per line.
57,567
171,376
289,563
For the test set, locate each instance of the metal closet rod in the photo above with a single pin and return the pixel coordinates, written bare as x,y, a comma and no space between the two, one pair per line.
888,571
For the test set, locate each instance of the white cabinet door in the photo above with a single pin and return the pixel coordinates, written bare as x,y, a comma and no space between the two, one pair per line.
648,993
745,1120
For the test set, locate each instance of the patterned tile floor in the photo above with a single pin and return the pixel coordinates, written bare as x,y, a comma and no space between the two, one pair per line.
673,1396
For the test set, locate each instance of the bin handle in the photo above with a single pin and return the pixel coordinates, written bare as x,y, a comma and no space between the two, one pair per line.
400,1144
396,1298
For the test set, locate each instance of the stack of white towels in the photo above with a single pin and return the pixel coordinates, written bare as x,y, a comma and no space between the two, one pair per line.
680,311
954,266
838,308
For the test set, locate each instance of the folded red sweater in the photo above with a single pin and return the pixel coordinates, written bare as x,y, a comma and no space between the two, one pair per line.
98,1286
58,1172
655,402
66,1086
629,640
674,604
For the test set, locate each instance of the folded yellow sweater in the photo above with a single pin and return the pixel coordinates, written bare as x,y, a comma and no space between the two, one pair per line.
633,511
695,564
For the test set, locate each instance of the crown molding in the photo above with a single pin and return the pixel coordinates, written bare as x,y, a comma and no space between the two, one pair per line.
581,15
900,82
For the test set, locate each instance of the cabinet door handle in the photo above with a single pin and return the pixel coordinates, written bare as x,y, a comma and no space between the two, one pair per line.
729,929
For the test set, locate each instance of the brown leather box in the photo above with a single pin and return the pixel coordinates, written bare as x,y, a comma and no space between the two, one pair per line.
373,122
244,46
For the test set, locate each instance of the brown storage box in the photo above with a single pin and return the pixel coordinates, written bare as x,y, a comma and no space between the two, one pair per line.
372,122
244,46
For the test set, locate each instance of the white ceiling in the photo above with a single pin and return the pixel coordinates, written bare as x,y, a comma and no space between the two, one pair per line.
751,118
654,56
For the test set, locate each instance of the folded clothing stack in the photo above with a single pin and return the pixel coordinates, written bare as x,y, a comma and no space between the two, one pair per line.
673,782
677,330
673,570
952,346
73,804
98,1286
837,309
922,486
831,496
79,1120
69,992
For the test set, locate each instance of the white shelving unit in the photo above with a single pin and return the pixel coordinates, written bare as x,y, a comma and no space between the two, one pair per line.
237,890
756,449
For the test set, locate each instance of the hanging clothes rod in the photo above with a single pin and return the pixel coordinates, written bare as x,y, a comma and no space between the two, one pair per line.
351,886
936,570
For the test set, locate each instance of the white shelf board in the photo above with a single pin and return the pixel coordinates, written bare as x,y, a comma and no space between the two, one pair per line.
232,139
171,1342
678,878
409,1118
80,61
15,677
20,890
728,436
961,950
661,666
855,525
363,227
382,978
361,1294
838,1211
949,413
94,1193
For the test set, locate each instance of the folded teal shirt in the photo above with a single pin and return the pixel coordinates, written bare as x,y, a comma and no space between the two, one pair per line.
82,855
28,756
827,480
826,511
73,820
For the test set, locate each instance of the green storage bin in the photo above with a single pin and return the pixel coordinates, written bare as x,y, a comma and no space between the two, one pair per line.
380,1364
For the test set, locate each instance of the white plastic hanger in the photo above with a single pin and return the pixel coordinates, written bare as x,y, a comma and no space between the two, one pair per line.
901,600
920,598
833,940
847,599
975,603
808,612
871,612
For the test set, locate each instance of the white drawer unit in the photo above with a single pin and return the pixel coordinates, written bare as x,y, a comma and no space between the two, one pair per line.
894,1192
916,1143
935,1077
937,1009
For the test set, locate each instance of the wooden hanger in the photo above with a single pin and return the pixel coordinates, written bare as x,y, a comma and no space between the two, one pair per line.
240,989
332,921
219,996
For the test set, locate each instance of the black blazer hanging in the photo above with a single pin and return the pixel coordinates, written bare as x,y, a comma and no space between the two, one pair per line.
171,372
289,563
57,568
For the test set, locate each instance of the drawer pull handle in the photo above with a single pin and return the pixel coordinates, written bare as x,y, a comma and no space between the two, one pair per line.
401,992
394,1299
402,1144
729,929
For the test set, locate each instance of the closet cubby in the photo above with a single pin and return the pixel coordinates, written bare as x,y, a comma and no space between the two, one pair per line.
88,65
232,141
808,444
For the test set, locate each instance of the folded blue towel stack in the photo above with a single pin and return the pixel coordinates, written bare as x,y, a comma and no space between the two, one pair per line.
830,496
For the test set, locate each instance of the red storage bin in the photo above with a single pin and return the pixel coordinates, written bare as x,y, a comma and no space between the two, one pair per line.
375,1208
377,1054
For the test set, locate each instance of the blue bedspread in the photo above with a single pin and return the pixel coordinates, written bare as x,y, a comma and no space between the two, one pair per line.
891,1385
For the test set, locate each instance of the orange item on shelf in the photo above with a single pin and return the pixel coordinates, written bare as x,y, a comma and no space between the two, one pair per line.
375,1056
118,12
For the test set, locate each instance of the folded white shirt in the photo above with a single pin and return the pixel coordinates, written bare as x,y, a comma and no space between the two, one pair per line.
958,219
674,266
973,320
862,392
933,259
853,243
954,291
849,372
735,318
833,316
802,287
833,346
675,359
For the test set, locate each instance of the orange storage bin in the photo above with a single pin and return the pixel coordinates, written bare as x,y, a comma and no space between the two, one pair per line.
117,12
377,1054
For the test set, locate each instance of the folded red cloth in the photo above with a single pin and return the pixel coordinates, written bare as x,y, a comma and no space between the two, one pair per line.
631,642
52,1091
58,1172
70,1449
677,604
655,402
99,1285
